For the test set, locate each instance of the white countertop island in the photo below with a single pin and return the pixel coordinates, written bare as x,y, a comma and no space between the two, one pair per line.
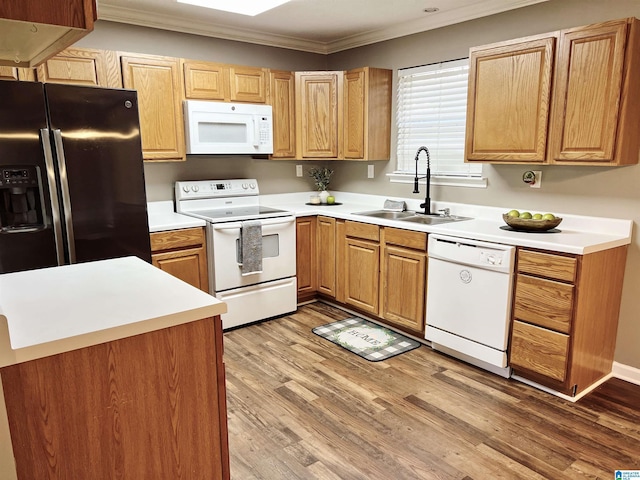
54,310
58,313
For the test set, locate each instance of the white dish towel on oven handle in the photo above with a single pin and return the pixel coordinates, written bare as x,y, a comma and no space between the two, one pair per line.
251,247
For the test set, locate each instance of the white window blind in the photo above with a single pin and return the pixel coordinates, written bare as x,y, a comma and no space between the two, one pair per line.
431,111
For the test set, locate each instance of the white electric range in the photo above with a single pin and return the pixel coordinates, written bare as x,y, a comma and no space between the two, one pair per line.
251,248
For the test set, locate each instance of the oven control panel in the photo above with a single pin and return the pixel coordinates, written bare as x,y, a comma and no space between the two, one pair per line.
216,188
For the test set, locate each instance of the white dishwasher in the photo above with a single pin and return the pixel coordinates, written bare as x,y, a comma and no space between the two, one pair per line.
469,291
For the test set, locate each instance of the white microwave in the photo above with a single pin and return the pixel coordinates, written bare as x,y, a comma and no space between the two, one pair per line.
228,128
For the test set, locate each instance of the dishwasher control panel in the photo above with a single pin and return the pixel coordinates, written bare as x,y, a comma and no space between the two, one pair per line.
492,256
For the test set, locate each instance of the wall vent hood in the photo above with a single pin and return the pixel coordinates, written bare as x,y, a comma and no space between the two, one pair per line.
35,30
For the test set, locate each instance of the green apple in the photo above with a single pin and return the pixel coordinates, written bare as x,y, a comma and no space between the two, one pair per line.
331,199
537,216
513,213
526,215
548,216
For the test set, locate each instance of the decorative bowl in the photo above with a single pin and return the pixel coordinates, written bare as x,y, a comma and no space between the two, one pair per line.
530,224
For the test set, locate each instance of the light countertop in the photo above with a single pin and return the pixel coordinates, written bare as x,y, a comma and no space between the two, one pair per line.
578,234
53,310
162,217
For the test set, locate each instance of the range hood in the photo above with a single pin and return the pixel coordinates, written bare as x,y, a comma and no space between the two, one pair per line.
35,30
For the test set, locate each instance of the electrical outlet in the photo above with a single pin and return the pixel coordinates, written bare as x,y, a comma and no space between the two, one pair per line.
538,181
298,170
370,171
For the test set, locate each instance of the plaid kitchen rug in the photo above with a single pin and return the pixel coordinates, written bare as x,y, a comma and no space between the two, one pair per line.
366,339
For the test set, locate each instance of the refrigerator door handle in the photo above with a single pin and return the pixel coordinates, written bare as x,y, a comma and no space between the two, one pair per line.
66,197
45,139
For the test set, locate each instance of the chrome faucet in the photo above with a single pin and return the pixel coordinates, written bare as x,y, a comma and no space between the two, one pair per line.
427,200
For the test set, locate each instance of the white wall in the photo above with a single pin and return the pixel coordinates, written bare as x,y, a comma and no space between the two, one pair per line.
596,191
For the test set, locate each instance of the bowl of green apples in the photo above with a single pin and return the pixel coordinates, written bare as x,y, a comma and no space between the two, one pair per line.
531,222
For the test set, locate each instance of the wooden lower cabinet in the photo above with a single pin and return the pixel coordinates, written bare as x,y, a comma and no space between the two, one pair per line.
306,258
403,279
565,317
183,254
326,248
147,406
362,266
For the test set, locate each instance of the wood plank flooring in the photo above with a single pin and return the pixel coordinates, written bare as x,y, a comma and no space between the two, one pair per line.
300,407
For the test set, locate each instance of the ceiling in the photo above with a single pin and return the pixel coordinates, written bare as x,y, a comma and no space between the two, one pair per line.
319,26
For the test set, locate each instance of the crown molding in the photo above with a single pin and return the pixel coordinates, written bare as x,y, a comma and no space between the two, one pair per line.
480,9
141,18
160,21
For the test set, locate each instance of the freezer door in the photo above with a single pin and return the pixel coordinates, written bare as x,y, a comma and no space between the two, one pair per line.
27,233
97,145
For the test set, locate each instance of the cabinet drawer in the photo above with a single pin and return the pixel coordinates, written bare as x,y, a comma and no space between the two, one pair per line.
539,350
547,265
405,238
546,303
186,237
362,230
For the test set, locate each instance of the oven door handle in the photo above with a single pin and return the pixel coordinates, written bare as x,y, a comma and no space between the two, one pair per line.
267,222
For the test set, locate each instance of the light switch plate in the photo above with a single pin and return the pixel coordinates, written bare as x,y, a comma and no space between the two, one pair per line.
298,170
370,171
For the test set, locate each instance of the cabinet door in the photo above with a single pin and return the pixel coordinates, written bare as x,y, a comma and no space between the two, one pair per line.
508,101
206,80
248,84
326,246
362,258
282,99
402,287
306,257
539,350
81,66
182,253
157,80
354,116
587,95
319,114
189,265
17,73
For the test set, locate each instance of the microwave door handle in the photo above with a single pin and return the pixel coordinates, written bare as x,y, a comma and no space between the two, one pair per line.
256,132
45,138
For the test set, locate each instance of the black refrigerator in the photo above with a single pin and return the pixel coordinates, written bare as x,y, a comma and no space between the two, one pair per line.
71,176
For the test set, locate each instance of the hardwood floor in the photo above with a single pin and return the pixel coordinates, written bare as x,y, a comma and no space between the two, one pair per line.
300,407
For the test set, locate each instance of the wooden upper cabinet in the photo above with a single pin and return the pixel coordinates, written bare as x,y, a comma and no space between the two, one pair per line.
206,80
508,100
319,116
158,82
17,73
588,113
58,27
367,114
248,84
225,83
595,105
282,100
82,66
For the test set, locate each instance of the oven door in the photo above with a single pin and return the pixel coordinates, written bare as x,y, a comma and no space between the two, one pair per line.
278,253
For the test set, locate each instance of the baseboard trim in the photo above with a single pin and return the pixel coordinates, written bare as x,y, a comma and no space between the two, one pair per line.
626,372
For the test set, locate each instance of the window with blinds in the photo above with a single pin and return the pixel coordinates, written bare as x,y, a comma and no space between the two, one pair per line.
431,111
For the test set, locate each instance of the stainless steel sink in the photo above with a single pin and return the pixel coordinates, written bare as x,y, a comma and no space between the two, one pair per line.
387,214
433,219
